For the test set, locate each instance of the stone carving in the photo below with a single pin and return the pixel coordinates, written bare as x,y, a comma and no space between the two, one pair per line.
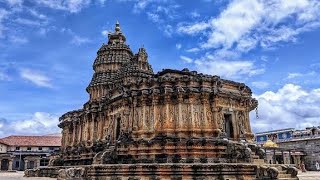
241,123
221,120
71,174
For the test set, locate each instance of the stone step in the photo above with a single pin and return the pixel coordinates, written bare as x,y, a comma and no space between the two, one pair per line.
258,161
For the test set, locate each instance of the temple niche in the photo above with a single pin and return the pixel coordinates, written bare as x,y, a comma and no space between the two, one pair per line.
174,124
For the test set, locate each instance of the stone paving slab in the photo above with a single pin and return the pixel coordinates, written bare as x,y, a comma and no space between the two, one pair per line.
310,175
19,176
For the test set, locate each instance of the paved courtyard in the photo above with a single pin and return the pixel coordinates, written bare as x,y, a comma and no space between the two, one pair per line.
310,175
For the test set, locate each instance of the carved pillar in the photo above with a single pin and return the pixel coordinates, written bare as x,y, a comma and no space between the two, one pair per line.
143,116
93,127
80,129
87,128
166,112
134,117
73,132
101,125
62,138
37,163
10,165
179,120
156,112
191,111
207,115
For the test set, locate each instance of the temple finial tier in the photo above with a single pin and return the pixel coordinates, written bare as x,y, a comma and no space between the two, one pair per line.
117,28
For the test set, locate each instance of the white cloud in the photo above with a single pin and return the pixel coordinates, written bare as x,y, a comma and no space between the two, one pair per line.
38,123
192,29
105,33
14,3
192,50
294,75
153,17
260,84
77,40
37,14
3,15
194,14
35,77
178,46
4,76
167,30
290,106
229,69
244,25
72,6
235,70
18,39
186,59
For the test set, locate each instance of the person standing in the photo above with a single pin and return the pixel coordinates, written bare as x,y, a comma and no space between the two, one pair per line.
317,166
303,167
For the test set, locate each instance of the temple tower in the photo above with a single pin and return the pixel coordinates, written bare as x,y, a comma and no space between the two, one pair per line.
110,57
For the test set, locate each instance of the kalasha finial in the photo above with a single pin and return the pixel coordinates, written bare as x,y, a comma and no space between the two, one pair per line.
117,29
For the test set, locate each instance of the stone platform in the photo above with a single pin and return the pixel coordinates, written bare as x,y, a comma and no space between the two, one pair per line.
172,171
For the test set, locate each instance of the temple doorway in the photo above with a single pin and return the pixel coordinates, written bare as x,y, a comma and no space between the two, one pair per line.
4,165
228,125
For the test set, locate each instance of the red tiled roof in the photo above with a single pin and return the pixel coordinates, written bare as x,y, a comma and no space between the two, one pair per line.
32,141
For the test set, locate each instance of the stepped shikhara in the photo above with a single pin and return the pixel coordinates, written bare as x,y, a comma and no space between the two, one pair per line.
170,125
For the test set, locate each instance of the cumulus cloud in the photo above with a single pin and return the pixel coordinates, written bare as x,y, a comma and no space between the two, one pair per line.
37,124
244,25
36,77
229,69
290,106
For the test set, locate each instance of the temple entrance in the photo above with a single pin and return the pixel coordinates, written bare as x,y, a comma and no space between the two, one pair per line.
228,125
4,165
118,128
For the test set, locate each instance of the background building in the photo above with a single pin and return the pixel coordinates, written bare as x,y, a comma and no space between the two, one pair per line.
27,152
294,146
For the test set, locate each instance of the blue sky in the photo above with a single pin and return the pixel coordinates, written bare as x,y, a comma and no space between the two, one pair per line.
47,49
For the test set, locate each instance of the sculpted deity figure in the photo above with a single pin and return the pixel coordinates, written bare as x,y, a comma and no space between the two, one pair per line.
241,123
221,120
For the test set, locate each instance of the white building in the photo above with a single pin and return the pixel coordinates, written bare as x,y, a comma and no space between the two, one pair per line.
27,152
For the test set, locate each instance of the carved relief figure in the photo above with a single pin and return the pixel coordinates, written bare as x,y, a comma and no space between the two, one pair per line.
221,121
185,113
241,122
196,112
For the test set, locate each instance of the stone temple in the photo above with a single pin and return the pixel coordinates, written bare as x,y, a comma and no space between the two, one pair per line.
169,125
